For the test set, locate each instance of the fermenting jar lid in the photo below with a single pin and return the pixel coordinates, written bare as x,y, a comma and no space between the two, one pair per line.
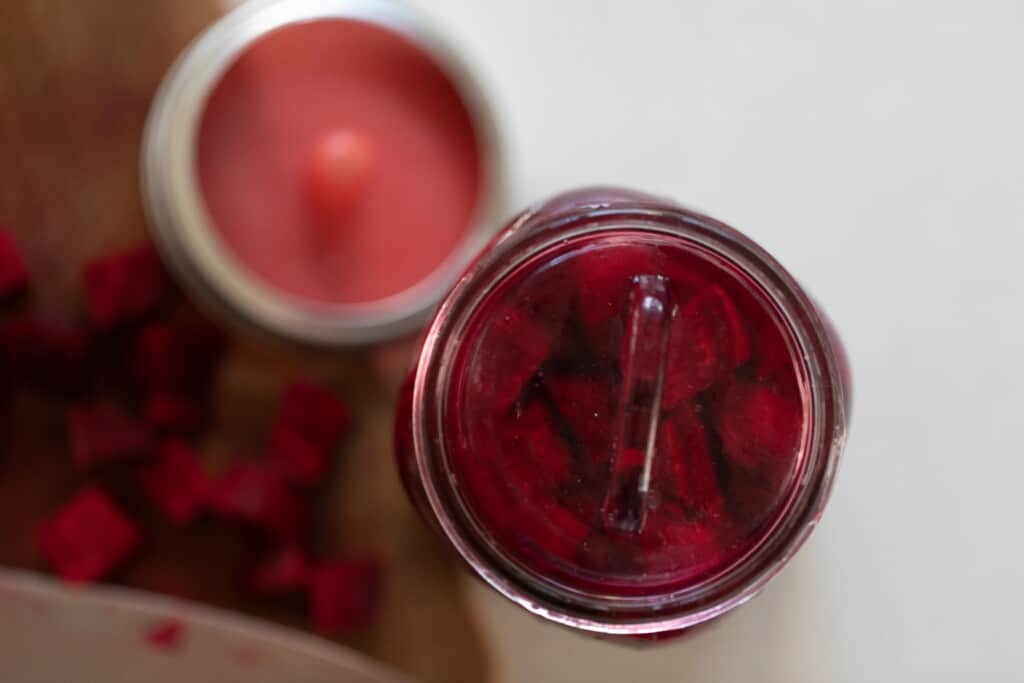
234,70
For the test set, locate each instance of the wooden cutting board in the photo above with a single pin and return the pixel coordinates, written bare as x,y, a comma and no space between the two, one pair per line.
76,80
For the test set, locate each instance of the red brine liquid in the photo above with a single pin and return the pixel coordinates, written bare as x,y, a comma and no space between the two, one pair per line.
535,420
624,415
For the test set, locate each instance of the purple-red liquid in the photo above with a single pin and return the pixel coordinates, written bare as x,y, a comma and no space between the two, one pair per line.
551,426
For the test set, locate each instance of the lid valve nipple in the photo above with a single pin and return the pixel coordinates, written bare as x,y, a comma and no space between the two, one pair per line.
338,171
650,311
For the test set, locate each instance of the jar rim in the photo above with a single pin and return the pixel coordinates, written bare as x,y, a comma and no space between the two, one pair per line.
690,605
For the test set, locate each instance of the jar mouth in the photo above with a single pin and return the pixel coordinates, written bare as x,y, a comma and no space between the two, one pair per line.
181,220
625,611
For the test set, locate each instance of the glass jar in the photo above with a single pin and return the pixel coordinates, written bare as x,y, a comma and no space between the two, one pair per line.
626,416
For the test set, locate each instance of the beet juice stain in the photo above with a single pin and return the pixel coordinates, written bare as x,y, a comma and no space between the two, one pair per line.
627,414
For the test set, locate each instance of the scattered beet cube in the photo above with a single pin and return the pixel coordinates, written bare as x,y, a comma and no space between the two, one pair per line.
343,595
283,570
739,335
125,285
614,554
313,412
88,537
169,413
176,482
303,462
13,274
44,352
102,434
260,495
176,356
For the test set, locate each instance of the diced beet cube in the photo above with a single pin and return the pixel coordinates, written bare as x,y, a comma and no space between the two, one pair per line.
519,345
612,554
684,544
758,426
754,498
176,482
314,412
604,278
258,494
283,570
529,437
774,362
13,274
44,352
584,496
125,285
587,406
760,432
88,537
303,462
548,528
548,299
168,413
343,595
102,434
707,342
176,355
523,479
683,469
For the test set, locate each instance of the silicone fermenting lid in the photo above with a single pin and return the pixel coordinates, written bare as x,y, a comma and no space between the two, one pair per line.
627,415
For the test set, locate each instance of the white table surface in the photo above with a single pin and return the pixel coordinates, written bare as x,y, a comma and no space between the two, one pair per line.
876,148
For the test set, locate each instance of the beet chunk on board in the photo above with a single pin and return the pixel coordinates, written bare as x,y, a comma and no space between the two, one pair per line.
125,285
176,482
343,595
87,538
103,434
13,273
